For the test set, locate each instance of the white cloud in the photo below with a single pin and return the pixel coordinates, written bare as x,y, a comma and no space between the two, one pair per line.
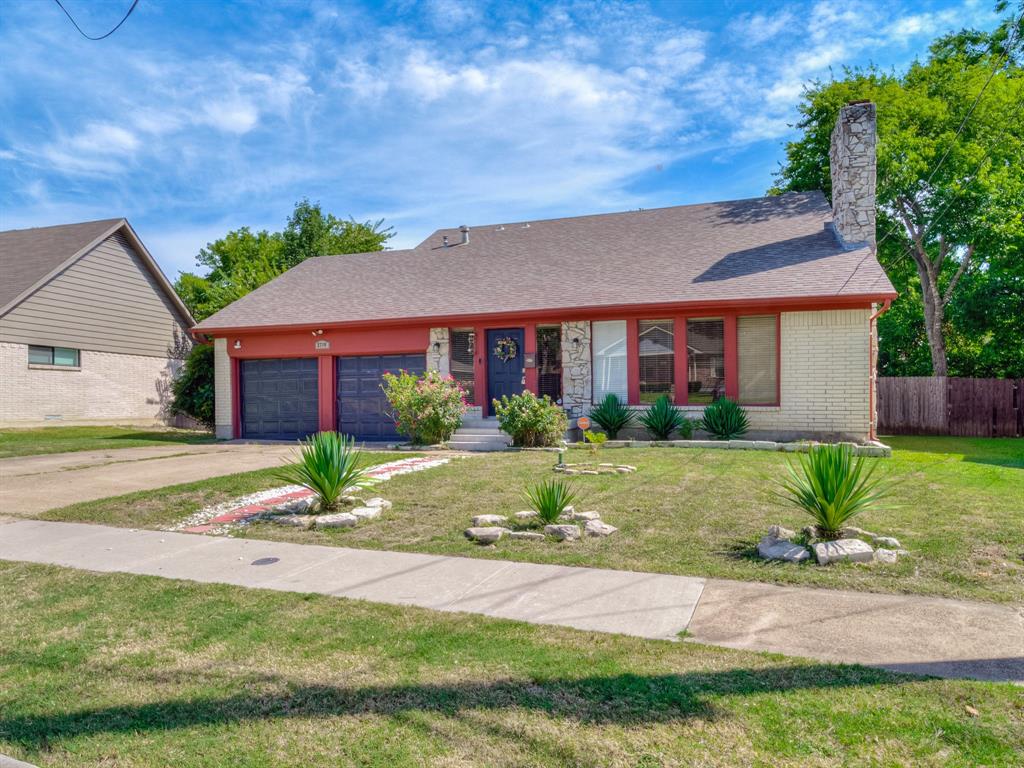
756,28
234,115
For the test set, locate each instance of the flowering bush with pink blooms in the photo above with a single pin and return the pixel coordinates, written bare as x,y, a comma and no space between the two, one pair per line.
428,408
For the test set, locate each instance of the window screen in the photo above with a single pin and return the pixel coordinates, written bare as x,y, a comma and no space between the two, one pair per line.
705,347
758,359
609,350
462,351
657,360
40,355
65,356
549,362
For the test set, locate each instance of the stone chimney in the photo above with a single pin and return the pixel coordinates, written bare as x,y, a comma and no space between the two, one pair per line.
852,161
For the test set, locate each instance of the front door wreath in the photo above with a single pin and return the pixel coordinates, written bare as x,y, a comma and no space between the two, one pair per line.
506,349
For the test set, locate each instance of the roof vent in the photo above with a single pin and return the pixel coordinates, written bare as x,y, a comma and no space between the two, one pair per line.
525,226
465,234
444,240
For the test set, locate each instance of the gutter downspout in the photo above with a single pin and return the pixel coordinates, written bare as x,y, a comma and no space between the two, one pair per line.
873,362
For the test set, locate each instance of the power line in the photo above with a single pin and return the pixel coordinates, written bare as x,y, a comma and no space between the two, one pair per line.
101,37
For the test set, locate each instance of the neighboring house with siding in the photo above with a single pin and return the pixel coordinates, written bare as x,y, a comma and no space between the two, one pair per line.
91,331
769,301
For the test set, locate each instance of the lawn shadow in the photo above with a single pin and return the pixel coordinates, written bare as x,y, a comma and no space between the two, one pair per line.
155,436
627,699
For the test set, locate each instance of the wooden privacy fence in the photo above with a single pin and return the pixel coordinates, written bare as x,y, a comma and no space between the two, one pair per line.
928,405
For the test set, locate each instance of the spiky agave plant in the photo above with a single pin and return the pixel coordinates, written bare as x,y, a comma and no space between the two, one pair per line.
549,498
662,418
725,420
327,464
611,415
832,486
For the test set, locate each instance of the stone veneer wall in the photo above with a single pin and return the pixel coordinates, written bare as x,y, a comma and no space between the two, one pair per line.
439,359
577,374
223,395
852,161
106,388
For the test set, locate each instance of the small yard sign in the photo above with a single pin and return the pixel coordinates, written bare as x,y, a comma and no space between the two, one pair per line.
583,422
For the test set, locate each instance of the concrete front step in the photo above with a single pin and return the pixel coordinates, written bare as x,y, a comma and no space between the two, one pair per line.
490,445
489,431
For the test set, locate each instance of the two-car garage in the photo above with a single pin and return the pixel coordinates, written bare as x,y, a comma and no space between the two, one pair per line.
279,396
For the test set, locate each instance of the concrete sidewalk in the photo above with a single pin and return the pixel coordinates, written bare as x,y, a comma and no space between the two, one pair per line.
906,633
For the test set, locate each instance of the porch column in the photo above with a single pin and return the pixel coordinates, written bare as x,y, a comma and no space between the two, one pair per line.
327,393
577,372
439,351
681,372
530,347
732,359
223,391
480,368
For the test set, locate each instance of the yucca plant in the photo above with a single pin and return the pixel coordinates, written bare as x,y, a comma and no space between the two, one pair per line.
725,420
612,415
662,418
549,498
832,486
327,464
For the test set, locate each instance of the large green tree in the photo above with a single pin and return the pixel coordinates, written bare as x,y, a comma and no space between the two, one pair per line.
241,262
950,198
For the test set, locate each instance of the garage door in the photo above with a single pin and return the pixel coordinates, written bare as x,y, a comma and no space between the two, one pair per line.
362,407
279,398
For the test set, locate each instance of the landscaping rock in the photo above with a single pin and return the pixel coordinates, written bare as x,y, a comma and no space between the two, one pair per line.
887,556
298,521
888,542
568,510
377,501
563,532
707,443
353,500
338,520
743,445
852,531
526,535
486,534
526,514
584,516
782,549
489,520
623,471
778,532
297,506
854,550
599,528
765,445
366,513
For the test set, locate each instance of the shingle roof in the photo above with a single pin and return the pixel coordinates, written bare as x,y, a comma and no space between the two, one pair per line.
29,255
761,248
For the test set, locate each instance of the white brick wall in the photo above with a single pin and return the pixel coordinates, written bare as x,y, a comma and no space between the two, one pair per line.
222,395
108,388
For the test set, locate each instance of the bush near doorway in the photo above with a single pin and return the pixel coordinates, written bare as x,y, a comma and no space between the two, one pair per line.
531,421
427,409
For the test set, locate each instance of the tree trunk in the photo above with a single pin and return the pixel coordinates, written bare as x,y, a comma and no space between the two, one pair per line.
934,315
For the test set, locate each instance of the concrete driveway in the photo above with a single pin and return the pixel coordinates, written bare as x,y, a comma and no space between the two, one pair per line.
32,484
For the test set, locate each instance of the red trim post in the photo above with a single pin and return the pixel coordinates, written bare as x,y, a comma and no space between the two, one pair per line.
732,359
480,367
530,347
633,361
236,398
326,394
681,367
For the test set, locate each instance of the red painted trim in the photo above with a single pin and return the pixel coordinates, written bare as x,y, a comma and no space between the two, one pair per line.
633,361
530,347
343,343
873,369
327,395
236,398
681,362
732,377
480,367
609,312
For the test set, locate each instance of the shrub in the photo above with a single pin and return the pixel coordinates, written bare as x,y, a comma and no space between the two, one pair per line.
427,409
594,439
531,421
193,387
549,498
685,428
831,486
328,463
612,415
662,418
725,420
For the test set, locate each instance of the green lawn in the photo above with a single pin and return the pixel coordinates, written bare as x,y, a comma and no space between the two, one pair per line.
120,670
30,442
957,508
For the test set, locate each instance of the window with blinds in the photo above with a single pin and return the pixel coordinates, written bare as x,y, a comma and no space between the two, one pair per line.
462,352
608,344
757,347
705,364
657,360
549,362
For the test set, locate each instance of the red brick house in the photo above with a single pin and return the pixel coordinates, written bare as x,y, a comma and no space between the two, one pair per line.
770,301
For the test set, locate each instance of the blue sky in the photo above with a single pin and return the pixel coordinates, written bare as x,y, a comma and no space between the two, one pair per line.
200,117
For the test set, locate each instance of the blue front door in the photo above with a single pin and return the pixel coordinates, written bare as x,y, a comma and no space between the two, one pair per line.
505,362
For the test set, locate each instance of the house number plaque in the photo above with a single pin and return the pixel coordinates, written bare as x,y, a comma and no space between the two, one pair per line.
322,344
